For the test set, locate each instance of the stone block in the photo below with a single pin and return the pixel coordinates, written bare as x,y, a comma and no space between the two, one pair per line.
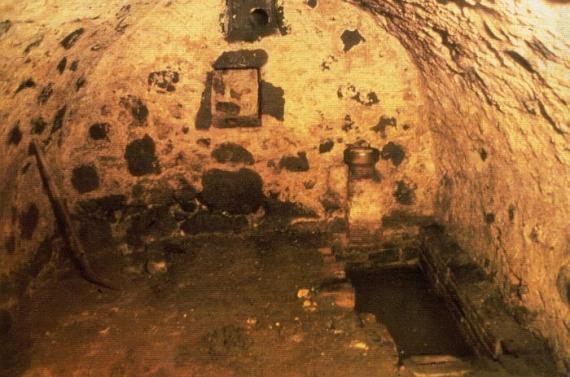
437,366
343,295
335,270
235,98
325,251
389,255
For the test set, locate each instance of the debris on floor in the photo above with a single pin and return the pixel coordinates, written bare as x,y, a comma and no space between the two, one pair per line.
223,310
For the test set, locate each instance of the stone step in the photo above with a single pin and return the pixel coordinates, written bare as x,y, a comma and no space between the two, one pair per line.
342,294
437,366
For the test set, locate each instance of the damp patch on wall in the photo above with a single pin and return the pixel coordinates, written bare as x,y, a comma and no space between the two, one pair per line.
351,38
29,220
141,157
232,192
232,153
85,178
272,100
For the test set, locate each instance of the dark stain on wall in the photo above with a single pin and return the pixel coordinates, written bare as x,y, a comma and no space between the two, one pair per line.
371,99
58,119
233,153
347,123
26,168
158,192
6,322
350,91
34,44
38,125
95,234
404,193
272,100
219,86
103,207
165,80
80,83
283,29
297,163
5,26
397,219
326,146
16,344
383,123
99,131
393,152
85,179
61,65
45,94
10,243
15,135
14,214
72,38
241,59
206,222
331,202
233,122
204,115
310,184
41,256
280,213
328,62
141,157
228,108
186,196
205,142
26,84
337,225
155,221
137,190
563,284
351,38
137,107
521,60
512,210
233,192
29,221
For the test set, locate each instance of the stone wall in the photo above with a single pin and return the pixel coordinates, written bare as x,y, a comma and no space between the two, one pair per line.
151,123
497,76
468,102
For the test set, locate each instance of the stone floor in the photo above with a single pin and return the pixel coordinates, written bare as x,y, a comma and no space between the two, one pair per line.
212,307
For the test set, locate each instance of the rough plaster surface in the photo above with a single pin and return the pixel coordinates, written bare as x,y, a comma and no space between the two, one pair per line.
497,76
141,80
486,81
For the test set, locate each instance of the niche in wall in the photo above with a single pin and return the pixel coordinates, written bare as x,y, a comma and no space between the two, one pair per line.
250,20
235,98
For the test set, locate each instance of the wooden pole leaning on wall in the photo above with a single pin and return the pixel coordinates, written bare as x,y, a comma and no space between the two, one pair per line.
64,223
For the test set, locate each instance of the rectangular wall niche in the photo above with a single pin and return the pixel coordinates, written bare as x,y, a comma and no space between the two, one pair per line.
250,20
235,98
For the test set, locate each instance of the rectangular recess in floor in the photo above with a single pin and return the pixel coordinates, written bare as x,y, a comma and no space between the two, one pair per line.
418,320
